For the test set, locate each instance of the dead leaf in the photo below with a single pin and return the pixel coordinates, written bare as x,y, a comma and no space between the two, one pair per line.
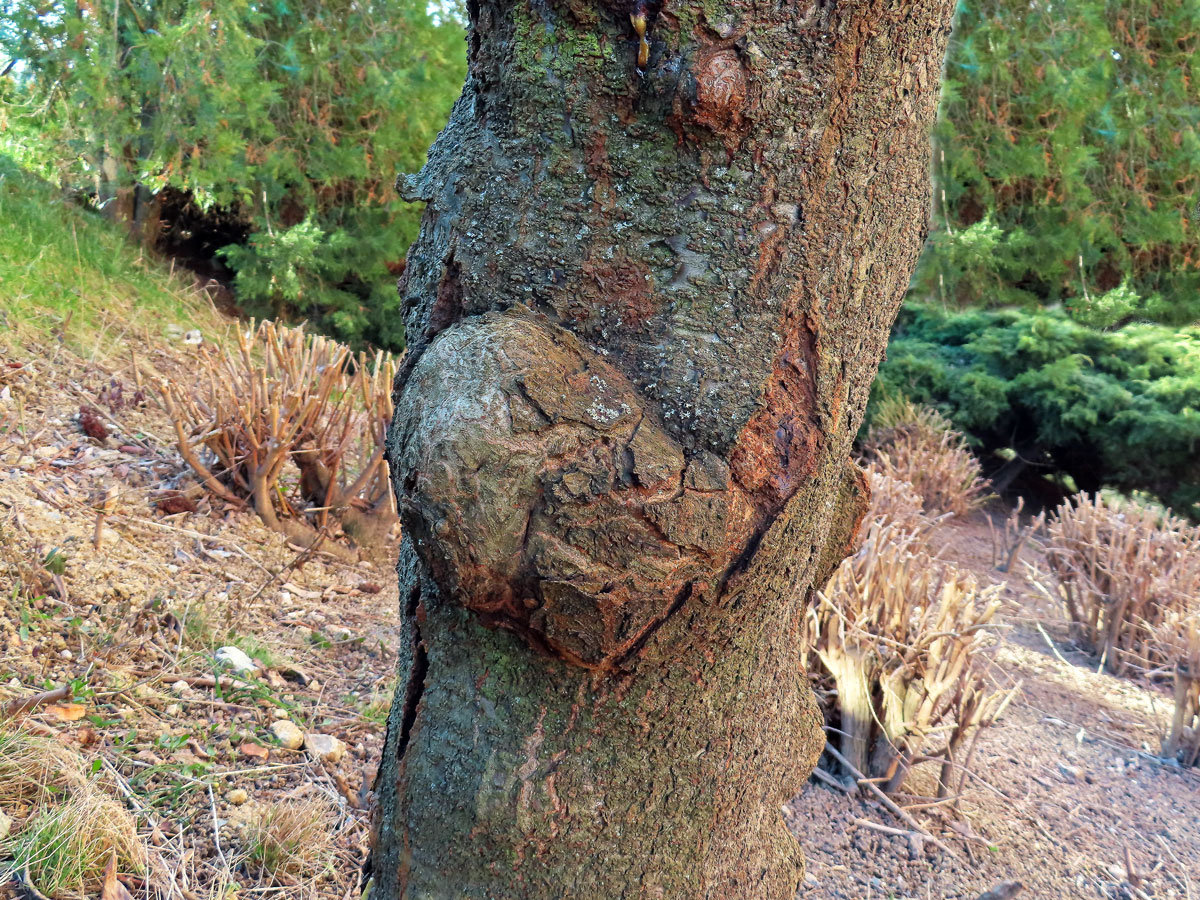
113,889
86,736
89,422
250,749
67,712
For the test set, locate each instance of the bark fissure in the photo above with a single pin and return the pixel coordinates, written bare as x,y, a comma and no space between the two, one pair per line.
414,690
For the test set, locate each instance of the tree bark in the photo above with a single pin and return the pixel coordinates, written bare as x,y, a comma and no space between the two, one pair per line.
644,312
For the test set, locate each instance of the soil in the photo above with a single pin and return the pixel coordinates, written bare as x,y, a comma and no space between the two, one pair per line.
1065,795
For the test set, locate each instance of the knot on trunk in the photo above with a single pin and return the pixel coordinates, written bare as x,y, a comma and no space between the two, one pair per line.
544,497
714,94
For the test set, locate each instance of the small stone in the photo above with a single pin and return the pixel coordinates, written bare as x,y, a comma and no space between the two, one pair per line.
325,747
5,825
179,688
26,462
289,736
237,796
66,654
1071,774
235,659
173,709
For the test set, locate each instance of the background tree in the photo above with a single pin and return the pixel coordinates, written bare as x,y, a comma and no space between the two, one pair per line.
1066,187
644,312
1066,141
275,126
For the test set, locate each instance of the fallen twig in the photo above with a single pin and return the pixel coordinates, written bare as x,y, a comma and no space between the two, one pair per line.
207,681
828,779
1187,882
24,704
885,799
1050,643
916,839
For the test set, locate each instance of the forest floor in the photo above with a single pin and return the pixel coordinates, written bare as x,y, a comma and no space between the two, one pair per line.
1066,794
145,597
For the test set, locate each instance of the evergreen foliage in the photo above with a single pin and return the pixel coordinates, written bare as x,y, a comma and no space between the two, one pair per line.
294,116
1109,408
1065,161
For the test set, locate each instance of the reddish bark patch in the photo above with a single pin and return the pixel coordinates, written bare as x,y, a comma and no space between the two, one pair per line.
448,306
714,97
619,284
779,446
596,160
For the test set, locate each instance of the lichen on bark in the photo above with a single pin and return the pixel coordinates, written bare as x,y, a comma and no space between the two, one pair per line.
644,312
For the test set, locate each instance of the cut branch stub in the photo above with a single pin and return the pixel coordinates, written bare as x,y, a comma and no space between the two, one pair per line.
545,498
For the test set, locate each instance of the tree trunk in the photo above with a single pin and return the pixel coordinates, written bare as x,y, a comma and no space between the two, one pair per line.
644,313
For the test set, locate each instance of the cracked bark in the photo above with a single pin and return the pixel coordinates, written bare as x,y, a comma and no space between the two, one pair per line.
644,313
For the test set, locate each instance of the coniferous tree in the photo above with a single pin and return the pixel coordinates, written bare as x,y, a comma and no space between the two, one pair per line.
290,117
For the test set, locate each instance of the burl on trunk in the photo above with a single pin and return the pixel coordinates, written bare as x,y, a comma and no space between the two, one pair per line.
651,289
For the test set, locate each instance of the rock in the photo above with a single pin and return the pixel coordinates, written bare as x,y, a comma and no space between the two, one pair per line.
179,688
1070,774
288,735
5,826
325,747
235,659
237,796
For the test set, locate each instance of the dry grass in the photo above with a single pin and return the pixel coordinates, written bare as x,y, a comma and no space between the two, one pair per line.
292,839
919,446
898,413
294,424
1178,638
34,769
896,638
896,504
1011,538
1122,569
69,828
65,847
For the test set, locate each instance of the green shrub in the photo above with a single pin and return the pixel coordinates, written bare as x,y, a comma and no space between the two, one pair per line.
1118,408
